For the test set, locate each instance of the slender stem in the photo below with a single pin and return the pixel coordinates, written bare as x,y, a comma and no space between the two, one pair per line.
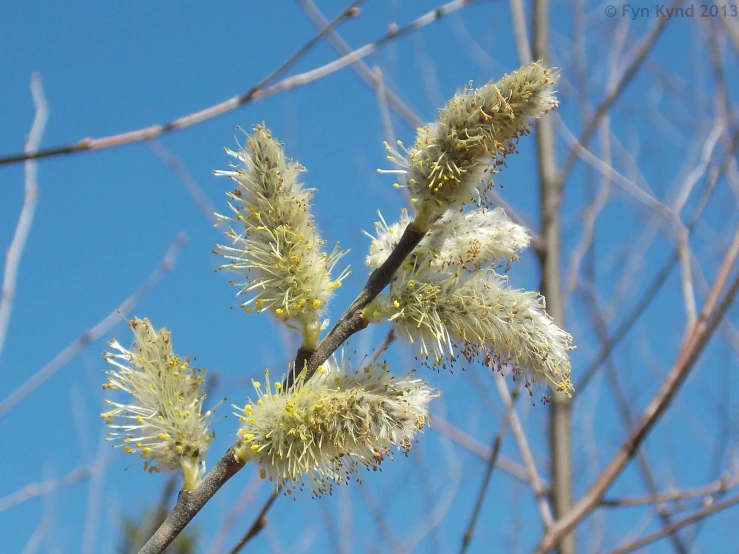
715,508
692,347
257,92
353,320
25,219
560,434
497,442
259,523
189,503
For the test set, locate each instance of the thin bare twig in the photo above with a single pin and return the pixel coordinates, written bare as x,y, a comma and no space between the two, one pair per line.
95,332
179,168
661,276
711,489
592,210
34,541
259,523
18,243
384,345
519,31
495,451
522,442
382,104
692,347
689,520
259,91
639,54
32,490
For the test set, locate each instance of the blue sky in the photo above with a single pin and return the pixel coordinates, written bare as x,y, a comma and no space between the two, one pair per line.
105,220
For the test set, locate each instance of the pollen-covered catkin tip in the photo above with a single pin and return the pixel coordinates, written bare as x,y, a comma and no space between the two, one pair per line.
162,420
453,159
320,432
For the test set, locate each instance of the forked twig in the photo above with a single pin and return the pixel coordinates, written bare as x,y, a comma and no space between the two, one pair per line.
257,92
692,347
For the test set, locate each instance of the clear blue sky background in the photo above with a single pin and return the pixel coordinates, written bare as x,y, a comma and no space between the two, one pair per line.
105,220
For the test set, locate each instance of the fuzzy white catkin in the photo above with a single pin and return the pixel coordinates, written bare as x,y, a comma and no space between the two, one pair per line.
453,159
275,244
477,315
471,239
163,423
447,299
322,431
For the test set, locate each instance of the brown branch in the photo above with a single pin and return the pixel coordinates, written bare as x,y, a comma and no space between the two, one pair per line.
661,276
692,347
550,200
353,319
710,510
714,488
259,91
259,523
189,503
640,53
154,131
495,452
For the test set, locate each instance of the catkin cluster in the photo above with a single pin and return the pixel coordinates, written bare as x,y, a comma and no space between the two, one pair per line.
449,298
